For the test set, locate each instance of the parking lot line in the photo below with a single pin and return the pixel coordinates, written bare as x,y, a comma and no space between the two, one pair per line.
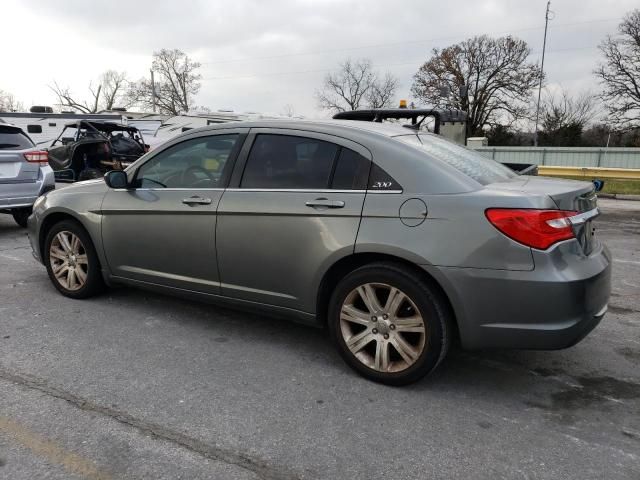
53,452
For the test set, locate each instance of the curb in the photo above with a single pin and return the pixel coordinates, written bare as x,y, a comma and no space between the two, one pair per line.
619,196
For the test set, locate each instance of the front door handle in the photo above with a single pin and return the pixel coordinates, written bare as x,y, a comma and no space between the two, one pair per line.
325,203
195,200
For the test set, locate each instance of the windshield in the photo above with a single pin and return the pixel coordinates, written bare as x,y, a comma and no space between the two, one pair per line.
482,170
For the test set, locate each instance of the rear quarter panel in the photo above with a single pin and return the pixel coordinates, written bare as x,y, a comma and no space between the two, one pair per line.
454,233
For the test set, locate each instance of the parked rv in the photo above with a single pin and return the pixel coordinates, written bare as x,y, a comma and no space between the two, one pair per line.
44,127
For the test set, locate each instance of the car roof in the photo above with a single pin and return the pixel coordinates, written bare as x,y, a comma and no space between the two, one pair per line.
384,129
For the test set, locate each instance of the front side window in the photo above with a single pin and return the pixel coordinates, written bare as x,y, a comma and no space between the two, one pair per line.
197,163
285,161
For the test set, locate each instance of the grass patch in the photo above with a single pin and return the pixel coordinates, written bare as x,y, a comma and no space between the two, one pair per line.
626,187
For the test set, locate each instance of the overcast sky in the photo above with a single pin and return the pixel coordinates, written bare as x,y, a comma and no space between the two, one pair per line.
262,55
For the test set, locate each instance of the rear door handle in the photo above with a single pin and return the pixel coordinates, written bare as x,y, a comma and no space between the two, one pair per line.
325,203
195,200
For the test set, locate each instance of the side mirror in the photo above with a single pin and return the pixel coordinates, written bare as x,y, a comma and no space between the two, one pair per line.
116,179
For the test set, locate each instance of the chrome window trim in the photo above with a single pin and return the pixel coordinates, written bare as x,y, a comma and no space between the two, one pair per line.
161,189
294,190
280,190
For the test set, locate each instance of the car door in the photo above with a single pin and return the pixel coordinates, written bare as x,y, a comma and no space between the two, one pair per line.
281,222
161,230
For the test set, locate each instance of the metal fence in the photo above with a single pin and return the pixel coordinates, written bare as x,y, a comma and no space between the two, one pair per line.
566,156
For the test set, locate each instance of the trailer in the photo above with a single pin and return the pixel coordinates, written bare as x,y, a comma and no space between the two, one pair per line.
44,128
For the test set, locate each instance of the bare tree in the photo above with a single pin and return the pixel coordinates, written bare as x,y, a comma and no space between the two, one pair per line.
564,118
619,74
288,110
354,85
382,91
108,92
8,102
558,111
488,78
176,83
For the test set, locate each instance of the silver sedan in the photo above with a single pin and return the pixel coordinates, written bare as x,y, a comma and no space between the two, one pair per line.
396,240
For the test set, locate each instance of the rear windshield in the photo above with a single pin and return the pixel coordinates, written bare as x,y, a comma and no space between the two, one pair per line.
482,170
12,139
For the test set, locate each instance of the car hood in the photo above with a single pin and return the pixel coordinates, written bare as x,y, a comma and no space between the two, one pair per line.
88,186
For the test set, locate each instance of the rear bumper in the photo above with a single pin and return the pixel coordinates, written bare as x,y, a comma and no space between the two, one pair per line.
552,307
22,195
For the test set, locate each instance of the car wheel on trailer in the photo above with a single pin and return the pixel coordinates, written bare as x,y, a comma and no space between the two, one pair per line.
389,324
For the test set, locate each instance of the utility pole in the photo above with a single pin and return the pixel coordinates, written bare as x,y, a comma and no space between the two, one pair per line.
544,47
153,91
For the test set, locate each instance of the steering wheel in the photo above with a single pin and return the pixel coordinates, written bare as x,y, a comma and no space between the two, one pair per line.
191,170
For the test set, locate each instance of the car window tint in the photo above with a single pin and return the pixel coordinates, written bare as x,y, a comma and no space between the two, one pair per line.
12,138
196,163
351,172
381,180
483,170
284,161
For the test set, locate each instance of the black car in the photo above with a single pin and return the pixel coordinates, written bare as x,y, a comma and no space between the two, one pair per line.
86,149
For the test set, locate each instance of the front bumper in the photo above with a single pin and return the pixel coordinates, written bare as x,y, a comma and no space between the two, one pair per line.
552,307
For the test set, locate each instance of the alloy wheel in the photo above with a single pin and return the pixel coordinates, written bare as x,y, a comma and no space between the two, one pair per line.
69,261
382,327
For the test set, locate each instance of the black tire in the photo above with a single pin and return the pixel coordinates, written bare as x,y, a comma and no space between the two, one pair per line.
89,174
94,283
434,310
20,215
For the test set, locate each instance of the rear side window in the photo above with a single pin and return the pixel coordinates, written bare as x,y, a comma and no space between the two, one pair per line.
34,128
483,170
351,171
14,139
285,161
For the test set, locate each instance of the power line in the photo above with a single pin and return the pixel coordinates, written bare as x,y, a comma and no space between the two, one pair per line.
427,40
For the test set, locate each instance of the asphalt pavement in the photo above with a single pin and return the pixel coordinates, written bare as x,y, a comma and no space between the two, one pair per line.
137,385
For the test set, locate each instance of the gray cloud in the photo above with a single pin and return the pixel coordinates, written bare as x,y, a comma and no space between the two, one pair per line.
303,39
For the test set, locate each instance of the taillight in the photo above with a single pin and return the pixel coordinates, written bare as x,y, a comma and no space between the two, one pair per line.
533,228
38,156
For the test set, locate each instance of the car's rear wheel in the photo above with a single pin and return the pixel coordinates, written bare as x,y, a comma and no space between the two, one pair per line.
20,215
71,260
389,324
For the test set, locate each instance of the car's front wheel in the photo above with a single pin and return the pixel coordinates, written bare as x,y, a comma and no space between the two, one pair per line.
389,324
71,260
